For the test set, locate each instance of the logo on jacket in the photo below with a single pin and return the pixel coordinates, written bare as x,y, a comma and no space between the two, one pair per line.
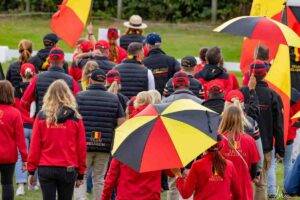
96,136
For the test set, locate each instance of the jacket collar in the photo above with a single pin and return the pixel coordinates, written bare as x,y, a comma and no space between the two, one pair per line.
156,51
262,84
96,87
100,57
132,61
183,91
56,69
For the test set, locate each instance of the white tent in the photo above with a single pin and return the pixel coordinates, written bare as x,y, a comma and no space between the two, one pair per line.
293,2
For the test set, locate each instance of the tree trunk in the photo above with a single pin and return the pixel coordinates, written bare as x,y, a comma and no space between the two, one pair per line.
27,6
214,9
119,14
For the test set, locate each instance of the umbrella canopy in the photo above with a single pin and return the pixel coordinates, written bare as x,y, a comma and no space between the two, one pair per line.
260,28
166,136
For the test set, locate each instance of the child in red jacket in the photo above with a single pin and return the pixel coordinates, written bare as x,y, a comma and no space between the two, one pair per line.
239,148
58,147
11,138
210,178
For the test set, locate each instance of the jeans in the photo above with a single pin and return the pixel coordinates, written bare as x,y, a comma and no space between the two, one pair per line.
98,161
89,181
21,176
287,160
57,179
7,173
271,176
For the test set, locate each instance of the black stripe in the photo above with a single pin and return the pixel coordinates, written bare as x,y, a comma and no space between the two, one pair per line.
242,27
130,152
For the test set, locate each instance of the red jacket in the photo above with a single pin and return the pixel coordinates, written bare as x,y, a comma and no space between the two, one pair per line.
234,81
130,184
24,113
75,72
205,185
61,145
11,135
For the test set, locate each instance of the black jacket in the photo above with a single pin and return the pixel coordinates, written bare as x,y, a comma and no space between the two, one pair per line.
125,40
13,76
195,87
123,100
100,111
251,103
104,63
216,105
270,120
211,72
2,77
41,57
45,79
162,66
134,77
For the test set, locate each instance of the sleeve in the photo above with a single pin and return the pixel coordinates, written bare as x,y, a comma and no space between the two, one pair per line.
20,138
35,148
111,179
29,94
278,132
234,81
255,158
81,150
76,87
251,103
151,82
261,154
168,89
235,185
186,186
177,66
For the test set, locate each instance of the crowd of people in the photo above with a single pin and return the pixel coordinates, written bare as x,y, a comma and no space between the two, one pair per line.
57,122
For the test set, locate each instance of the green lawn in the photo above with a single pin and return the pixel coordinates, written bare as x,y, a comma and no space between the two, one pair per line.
178,39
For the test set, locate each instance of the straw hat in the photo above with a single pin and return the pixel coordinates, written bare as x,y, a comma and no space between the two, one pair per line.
135,22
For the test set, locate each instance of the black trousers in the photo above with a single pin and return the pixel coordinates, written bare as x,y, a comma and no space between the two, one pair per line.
57,179
7,173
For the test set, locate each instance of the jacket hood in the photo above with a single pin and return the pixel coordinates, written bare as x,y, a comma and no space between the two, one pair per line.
156,51
211,72
64,114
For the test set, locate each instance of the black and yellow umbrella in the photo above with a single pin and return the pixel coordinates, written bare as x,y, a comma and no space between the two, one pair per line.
166,136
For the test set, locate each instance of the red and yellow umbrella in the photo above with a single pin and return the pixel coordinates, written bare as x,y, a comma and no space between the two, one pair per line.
166,136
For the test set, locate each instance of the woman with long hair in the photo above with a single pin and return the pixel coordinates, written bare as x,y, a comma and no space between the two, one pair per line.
142,100
239,148
206,175
11,139
155,96
116,53
86,73
58,147
113,85
13,73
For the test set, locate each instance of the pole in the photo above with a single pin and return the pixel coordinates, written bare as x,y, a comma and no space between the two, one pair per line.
214,8
119,9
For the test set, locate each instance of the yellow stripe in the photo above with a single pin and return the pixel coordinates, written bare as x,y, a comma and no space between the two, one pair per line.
297,56
184,104
279,74
81,8
188,141
297,115
221,27
267,8
127,128
291,37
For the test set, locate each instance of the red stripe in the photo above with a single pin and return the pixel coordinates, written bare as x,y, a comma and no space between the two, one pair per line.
67,25
148,111
159,152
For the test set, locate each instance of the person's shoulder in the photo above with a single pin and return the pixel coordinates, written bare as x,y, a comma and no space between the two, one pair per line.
14,65
247,138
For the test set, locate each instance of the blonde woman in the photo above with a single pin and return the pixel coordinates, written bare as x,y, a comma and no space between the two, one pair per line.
13,73
239,148
113,85
142,100
86,73
58,146
155,96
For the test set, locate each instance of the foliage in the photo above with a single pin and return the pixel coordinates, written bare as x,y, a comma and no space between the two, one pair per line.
168,10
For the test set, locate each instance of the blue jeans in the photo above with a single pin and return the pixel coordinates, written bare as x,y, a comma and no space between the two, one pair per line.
287,162
21,176
271,176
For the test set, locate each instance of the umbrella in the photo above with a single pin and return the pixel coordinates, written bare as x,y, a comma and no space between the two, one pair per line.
260,28
166,136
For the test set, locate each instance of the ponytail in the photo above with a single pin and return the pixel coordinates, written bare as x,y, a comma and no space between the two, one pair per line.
25,50
218,163
113,52
114,88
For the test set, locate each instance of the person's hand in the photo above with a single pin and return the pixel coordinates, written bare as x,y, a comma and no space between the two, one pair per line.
78,183
90,28
176,172
24,167
279,158
31,180
252,82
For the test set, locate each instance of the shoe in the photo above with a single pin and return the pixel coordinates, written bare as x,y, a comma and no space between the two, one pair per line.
272,197
20,190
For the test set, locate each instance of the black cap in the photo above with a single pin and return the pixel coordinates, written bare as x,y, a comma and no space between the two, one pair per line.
50,38
98,75
188,61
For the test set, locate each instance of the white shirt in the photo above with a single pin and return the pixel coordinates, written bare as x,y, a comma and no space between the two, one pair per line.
151,82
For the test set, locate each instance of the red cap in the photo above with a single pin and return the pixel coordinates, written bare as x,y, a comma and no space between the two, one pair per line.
112,34
113,75
215,86
234,94
86,46
259,68
180,79
27,68
56,54
102,44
